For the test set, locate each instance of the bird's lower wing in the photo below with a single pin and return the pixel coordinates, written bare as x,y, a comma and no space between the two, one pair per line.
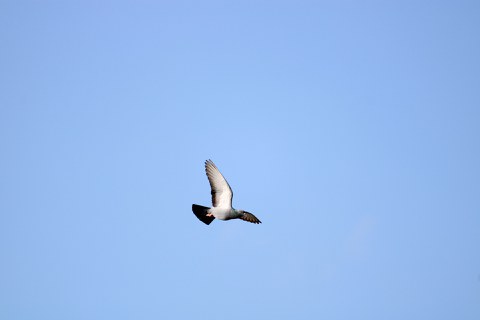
247,216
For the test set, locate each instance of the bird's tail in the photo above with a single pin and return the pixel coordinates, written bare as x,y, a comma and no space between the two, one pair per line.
201,213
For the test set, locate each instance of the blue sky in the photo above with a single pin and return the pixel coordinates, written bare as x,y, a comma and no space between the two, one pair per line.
350,128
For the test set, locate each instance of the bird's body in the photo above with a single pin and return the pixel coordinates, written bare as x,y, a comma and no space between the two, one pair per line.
224,213
222,196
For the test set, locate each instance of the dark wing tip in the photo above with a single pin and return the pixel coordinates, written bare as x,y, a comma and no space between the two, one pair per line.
247,216
209,162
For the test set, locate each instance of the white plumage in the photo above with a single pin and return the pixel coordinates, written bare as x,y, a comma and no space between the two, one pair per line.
222,194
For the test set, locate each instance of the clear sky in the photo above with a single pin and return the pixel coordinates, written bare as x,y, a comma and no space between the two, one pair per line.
350,128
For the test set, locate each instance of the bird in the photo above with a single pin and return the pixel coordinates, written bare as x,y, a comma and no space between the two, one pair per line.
222,196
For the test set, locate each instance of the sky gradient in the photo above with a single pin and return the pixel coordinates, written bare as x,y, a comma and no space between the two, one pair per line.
350,128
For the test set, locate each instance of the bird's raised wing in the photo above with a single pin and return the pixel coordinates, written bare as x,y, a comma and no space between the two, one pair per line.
221,192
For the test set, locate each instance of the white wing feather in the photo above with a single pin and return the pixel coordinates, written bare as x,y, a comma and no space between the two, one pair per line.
221,192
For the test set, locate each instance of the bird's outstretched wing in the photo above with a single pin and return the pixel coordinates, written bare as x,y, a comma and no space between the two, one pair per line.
247,216
221,192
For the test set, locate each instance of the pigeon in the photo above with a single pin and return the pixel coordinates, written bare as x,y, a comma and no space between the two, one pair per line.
221,200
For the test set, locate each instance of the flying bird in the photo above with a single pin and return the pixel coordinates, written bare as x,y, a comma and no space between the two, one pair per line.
221,200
